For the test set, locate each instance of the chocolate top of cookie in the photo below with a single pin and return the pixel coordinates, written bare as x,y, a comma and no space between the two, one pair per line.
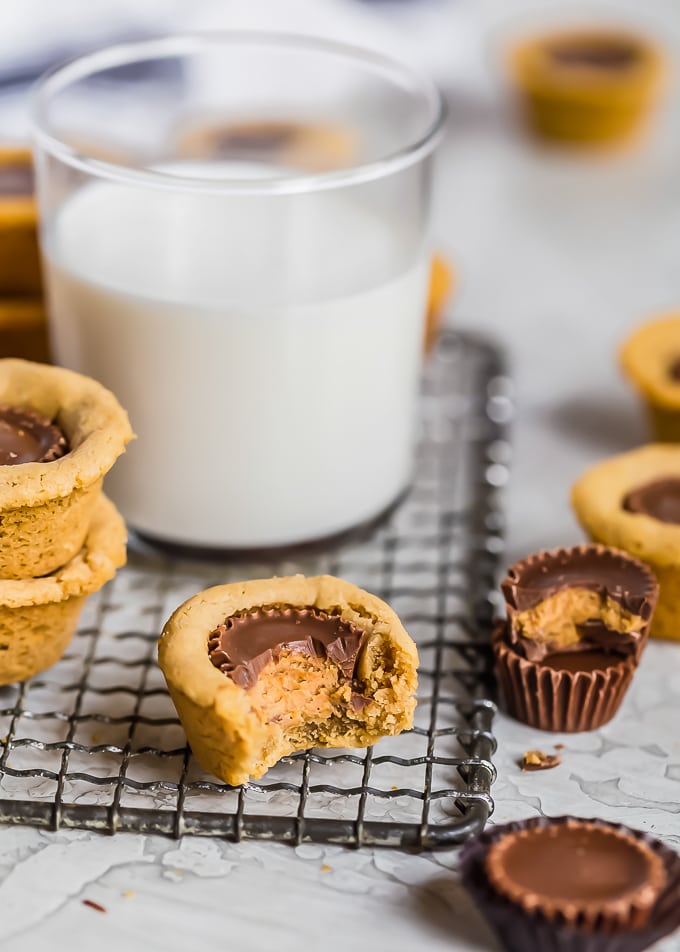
674,370
576,868
28,437
594,568
248,641
596,53
659,499
16,179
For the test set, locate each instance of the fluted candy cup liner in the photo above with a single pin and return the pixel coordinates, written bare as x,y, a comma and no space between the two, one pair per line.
620,914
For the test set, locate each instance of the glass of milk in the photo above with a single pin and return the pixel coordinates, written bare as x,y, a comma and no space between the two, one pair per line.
235,241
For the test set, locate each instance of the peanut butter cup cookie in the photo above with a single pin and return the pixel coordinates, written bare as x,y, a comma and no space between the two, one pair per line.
650,358
60,433
38,616
260,669
587,86
632,501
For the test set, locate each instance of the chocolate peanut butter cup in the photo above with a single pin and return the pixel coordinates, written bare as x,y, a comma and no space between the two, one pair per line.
29,437
579,873
573,885
247,642
570,692
260,669
584,598
578,620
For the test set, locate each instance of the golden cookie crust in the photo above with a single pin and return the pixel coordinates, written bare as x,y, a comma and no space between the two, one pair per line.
39,616
442,282
581,104
227,733
646,357
46,508
597,498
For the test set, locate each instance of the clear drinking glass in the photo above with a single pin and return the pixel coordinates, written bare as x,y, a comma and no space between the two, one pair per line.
235,241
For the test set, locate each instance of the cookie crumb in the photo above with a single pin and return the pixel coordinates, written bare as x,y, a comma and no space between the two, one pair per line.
128,894
325,868
91,904
559,746
538,760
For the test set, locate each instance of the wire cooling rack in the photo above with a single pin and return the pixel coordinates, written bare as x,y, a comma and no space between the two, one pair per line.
94,743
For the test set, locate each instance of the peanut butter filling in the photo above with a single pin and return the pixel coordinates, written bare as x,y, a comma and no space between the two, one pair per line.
306,698
561,620
311,676
305,701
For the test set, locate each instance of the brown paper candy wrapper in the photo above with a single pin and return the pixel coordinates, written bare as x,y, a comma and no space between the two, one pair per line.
520,931
553,700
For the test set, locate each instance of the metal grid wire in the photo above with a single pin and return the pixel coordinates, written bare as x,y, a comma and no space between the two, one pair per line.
94,743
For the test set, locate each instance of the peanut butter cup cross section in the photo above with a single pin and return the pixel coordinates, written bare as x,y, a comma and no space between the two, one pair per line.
577,622
588,598
260,669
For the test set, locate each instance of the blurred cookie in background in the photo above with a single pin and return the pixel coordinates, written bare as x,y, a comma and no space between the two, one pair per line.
23,323
307,146
587,85
23,329
442,280
19,256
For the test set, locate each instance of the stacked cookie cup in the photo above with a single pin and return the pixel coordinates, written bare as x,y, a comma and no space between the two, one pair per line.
61,539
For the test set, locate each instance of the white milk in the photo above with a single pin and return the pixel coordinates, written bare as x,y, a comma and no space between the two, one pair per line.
257,425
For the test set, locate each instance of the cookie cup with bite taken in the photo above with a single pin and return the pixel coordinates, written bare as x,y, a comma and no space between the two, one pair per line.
260,669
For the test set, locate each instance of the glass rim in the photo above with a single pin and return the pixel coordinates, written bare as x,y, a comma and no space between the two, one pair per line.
63,75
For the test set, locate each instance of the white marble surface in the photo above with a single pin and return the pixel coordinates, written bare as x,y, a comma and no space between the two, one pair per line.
557,257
